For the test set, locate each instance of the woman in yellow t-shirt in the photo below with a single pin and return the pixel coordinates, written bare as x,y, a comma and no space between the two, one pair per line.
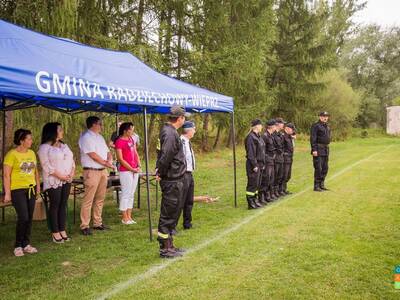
22,186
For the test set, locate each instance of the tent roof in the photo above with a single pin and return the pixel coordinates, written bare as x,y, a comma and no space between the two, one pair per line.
36,69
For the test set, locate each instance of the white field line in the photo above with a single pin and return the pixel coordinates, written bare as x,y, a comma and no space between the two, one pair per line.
156,268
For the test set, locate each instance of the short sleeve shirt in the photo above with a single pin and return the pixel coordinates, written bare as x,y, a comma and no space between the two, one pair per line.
92,142
129,153
23,168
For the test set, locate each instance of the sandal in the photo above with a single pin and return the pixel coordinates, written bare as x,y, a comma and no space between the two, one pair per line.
18,251
30,250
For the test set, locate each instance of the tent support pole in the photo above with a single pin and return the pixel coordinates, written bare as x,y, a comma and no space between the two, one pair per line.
146,156
234,156
3,141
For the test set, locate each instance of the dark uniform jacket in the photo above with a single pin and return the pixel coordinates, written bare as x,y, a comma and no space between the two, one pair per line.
288,148
269,147
255,150
320,137
278,140
171,161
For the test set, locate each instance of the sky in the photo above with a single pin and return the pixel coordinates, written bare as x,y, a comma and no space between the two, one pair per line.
382,12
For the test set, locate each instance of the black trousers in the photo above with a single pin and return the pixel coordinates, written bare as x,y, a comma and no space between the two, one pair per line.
253,180
287,173
23,201
171,202
268,176
278,180
320,168
58,198
188,198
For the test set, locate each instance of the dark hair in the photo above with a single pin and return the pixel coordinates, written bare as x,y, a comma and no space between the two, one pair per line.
124,127
20,135
172,119
90,121
50,132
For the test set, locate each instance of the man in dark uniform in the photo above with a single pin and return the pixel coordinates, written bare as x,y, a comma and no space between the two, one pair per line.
288,149
255,154
268,174
320,137
278,139
170,168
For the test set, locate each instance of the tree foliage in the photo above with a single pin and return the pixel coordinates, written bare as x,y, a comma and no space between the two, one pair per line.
271,56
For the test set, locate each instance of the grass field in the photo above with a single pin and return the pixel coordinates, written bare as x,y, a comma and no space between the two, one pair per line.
340,244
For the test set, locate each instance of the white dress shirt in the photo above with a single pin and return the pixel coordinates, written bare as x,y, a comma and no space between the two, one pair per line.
189,154
92,142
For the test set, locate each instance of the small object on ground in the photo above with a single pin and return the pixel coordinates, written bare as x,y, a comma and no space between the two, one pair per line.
205,199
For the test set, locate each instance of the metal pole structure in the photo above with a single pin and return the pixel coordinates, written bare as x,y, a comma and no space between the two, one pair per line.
3,141
146,156
234,156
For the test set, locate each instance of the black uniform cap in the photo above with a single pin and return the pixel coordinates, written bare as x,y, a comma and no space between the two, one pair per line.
271,122
324,114
290,125
256,122
279,121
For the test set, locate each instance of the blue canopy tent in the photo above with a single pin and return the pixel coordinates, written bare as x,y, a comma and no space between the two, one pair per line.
61,74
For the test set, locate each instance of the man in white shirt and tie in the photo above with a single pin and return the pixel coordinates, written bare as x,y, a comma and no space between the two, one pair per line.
189,130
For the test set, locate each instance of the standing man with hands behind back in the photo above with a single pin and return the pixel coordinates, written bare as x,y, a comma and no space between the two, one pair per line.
95,159
171,168
320,137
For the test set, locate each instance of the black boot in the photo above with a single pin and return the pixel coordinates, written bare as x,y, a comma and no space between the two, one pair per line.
322,186
268,197
257,203
250,202
276,191
261,198
281,190
173,248
165,250
317,187
272,194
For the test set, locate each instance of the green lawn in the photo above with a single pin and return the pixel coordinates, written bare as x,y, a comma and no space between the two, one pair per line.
339,244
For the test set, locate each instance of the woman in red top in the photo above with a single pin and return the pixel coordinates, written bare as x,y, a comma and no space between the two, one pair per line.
129,169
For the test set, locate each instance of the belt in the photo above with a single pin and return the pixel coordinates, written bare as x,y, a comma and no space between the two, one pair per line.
93,169
188,172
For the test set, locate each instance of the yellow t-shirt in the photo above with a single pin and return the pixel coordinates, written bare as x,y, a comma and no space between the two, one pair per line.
23,168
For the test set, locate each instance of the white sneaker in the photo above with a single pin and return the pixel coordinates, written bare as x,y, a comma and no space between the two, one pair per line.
130,222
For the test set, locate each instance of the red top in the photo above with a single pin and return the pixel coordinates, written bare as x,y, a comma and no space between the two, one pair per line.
129,153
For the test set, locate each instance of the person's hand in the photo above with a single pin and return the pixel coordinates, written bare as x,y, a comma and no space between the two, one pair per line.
71,176
7,197
109,164
255,169
315,153
294,136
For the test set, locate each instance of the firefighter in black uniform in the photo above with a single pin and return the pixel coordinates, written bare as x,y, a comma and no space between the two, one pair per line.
268,174
320,137
288,149
170,168
278,139
255,154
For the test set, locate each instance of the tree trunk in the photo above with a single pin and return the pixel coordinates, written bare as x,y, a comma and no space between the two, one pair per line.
217,137
204,139
139,23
